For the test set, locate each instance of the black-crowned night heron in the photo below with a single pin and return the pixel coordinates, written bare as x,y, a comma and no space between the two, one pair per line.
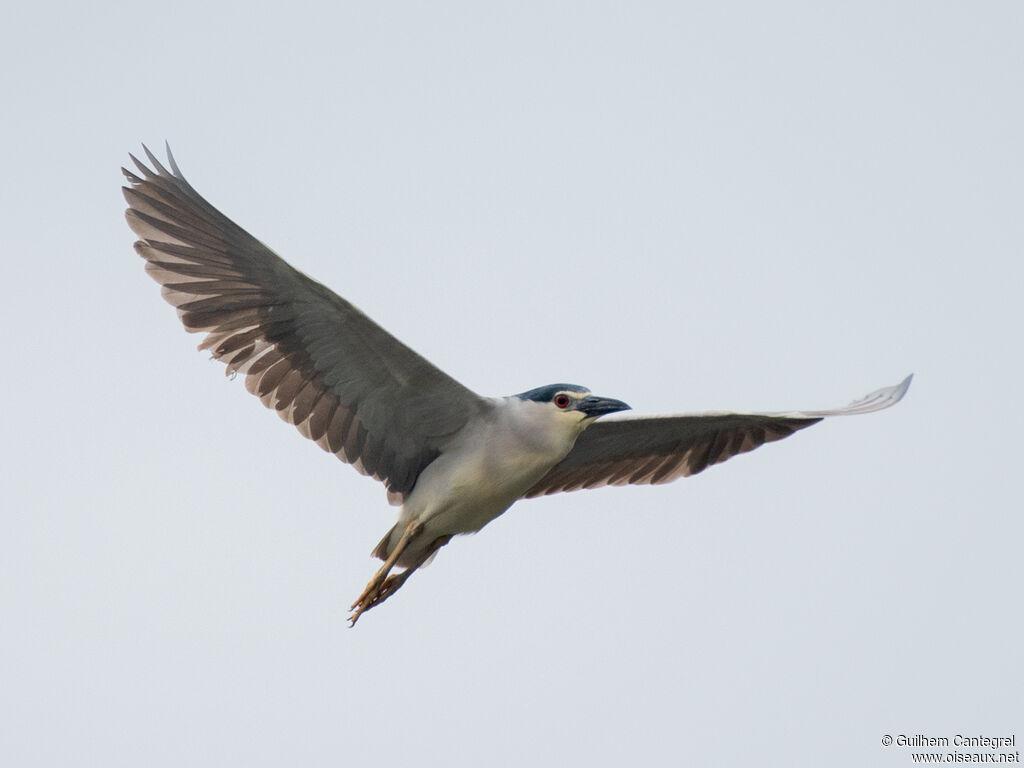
452,459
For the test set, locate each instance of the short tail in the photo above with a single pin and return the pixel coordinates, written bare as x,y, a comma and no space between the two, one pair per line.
419,557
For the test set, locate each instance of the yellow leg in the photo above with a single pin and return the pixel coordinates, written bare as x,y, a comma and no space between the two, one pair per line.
380,588
375,590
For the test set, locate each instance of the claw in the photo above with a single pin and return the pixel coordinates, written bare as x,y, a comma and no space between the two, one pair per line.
383,591
384,583
382,586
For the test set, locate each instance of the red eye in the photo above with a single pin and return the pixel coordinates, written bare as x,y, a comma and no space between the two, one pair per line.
562,400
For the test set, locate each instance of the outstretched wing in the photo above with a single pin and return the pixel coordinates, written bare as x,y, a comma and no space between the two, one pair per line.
660,449
323,365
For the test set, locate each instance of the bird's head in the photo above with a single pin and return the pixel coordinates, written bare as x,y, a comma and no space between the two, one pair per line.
573,401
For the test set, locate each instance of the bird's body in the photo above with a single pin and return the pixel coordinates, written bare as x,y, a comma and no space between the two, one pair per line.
452,459
514,444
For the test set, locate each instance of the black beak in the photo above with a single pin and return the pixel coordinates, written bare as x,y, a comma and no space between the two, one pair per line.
594,406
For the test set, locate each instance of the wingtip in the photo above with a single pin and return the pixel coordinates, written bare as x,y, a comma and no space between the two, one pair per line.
170,160
155,162
158,168
901,389
887,396
879,400
140,166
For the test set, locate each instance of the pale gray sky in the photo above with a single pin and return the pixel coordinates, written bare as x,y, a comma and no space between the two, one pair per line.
719,206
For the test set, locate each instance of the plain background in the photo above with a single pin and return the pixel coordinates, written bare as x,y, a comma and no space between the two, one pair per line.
747,206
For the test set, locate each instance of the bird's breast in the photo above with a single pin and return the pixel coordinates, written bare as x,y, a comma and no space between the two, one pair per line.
478,479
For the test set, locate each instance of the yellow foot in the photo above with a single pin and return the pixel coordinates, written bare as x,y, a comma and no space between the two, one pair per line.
381,592
381,586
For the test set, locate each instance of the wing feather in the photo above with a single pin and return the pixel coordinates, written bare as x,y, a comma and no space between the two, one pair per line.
307,353
660,449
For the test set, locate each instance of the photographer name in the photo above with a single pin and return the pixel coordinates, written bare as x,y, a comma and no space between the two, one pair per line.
990,742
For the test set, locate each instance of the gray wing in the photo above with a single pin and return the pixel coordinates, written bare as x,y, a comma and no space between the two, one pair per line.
660,449
323,365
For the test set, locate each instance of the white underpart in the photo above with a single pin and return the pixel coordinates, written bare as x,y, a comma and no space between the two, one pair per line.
490,467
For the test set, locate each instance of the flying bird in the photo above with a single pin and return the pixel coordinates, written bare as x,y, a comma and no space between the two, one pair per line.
454,460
